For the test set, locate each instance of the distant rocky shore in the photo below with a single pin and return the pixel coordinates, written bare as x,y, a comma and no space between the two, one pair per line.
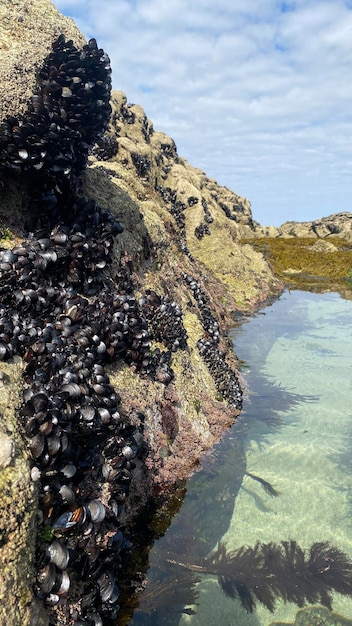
336,225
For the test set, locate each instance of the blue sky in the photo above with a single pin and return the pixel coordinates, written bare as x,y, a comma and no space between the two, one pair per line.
257,93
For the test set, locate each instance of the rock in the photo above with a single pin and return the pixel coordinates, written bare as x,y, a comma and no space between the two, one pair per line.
17,511
7,450
170,191
27,30
323,246
335,225
164,204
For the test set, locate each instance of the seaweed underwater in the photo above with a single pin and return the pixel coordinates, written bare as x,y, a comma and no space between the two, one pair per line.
268,487
269,571
263,573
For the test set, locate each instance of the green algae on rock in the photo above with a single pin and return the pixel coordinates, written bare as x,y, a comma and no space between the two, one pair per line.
307,262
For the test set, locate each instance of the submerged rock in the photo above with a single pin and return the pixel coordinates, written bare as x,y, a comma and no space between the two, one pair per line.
316,616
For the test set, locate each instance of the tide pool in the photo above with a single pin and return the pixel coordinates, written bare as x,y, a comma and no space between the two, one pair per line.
295,433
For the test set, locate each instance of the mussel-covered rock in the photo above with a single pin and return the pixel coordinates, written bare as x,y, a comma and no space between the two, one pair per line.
225,378
69,112
68,311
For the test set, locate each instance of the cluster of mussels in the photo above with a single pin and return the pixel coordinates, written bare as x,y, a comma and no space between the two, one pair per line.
105,148
164,320
234,214
124,113
176,208
208,216
224,376
141,163
64,118
67,319
203,228
64,313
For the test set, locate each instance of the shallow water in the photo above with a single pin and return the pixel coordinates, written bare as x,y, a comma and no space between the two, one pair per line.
295,432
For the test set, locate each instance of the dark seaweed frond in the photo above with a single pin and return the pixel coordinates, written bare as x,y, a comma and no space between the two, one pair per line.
268,571
268,488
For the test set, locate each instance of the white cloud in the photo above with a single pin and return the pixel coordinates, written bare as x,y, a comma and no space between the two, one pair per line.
257,94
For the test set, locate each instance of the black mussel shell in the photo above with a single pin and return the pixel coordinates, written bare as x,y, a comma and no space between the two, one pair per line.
58,554
96,511
109,591
46,577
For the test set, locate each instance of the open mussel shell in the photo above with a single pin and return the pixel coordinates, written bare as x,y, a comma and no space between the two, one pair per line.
69,519
58,554
109,591
96,511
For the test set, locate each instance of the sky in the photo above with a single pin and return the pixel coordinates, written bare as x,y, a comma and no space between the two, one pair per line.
256,93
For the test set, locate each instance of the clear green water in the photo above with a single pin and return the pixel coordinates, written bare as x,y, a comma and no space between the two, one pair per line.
295,432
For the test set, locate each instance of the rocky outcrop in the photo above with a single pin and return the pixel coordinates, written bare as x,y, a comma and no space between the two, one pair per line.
183,209
27,31
178,259
336,225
